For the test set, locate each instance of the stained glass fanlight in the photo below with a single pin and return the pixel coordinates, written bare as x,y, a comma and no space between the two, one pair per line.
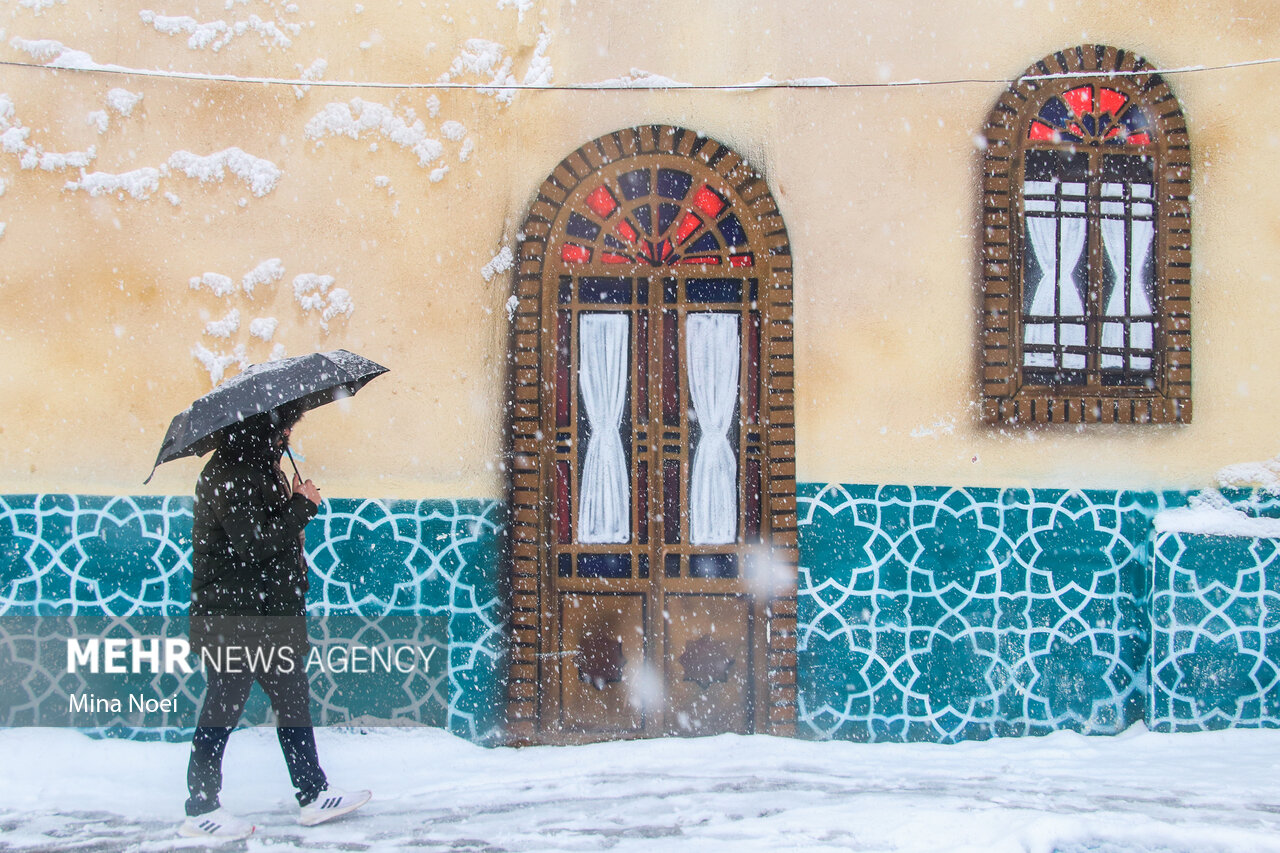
656,217
1091,114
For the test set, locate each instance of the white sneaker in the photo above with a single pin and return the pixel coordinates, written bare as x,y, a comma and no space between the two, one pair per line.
330,804
218,824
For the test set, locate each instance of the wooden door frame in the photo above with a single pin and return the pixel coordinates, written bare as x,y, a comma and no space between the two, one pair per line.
531,604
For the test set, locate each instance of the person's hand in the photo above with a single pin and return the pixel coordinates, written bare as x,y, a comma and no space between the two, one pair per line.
308,489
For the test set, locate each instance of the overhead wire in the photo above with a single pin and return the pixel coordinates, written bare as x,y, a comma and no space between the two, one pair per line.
643,84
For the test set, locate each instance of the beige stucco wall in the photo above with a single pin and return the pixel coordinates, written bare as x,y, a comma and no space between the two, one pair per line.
877,185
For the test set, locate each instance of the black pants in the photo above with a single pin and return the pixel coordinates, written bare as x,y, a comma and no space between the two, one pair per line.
224,702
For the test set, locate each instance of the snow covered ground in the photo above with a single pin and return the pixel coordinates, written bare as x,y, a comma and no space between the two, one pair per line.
60,790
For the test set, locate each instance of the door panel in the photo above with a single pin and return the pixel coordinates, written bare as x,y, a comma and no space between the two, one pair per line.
708,663
602,649
685,471
657,298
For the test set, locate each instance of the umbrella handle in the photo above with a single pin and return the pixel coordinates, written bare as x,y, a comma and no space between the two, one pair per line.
289,453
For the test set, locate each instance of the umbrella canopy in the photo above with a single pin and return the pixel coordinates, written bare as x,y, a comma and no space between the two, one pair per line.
307,381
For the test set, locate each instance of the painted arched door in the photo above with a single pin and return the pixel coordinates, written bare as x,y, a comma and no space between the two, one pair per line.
652,477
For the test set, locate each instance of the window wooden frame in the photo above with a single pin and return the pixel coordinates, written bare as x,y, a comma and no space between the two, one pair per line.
1010,396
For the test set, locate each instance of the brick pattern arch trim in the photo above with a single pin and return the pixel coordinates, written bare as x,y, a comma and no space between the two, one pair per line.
531,396
1018,131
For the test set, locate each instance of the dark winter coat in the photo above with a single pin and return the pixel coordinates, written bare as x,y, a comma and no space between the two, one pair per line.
250,577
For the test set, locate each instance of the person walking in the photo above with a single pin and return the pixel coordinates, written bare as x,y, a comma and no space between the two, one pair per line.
248,619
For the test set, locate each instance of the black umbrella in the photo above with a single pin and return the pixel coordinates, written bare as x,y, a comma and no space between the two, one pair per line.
307,381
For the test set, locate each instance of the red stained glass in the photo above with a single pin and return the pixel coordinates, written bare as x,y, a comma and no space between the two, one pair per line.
643,230
1081,115
572,253
624,230
1111,101
1040,132
602,202
563,357
708,201
1080,100
688,225
564,519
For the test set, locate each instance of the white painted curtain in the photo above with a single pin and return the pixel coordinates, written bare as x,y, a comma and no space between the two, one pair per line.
1132,289
604,493
712,354
1054,236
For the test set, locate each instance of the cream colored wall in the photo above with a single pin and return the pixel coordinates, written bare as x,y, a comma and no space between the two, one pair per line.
878,188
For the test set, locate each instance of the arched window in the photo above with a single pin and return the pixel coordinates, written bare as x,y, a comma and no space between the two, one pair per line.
1087,245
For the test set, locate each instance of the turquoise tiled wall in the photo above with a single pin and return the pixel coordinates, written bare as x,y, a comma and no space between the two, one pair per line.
1215,633
383,571
925,613
945,614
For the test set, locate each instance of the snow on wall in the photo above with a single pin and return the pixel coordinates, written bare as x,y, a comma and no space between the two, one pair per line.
1212,513
39,6
489,61
357,117
239,344
500,263
234,336
260,175
215,35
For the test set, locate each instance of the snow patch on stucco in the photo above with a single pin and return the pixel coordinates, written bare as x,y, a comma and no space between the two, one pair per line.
264,273
217,363
14,140
260,175
54,54
641,79
489,61
215,35
224,328
358,117
540,72
499,263
38,6
123,101
314,71
521,6
316,293
139,183
263,328
215,283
